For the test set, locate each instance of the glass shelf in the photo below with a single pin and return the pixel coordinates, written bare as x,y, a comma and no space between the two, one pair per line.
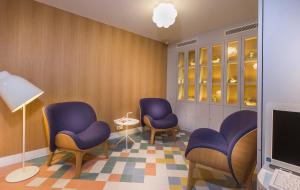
250,71
203,78
180,76
216,88
232,72
191,74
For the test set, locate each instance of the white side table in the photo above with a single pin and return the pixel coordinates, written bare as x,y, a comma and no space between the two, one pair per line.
125,122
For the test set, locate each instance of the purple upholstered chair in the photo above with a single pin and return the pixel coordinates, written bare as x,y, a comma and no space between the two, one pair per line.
232,150
73,126
156,113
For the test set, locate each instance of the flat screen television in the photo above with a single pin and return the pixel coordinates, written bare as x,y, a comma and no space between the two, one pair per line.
286,139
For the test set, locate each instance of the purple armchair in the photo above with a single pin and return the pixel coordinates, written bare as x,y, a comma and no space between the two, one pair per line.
232,150
156,113
73,126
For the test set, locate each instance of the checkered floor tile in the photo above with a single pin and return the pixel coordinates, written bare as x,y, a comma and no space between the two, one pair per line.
160,166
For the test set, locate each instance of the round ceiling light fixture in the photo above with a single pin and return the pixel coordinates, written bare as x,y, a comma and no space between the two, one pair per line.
164,15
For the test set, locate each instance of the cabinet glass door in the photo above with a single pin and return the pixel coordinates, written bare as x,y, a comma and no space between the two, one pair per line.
232,73
203,77
180,76
250,71
216,85
191,75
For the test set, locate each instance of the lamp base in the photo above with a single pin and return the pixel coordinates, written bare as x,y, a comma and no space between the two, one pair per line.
22,174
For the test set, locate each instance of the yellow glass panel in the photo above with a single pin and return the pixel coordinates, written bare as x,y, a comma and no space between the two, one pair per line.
250,95
250,71
180,76
191,75
216,93
217,73
232,94
232,73
203,56
203,79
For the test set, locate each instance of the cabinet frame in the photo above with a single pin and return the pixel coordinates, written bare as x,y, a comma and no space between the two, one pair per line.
239,74
241,66
243,106
215,43
192,48
184,74
199,72
186,51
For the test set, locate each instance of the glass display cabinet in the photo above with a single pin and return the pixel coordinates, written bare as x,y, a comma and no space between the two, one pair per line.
250,71
232,73
203,74
191,75
216,85
180,79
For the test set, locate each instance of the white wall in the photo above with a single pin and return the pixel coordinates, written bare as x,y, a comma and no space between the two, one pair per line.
281,59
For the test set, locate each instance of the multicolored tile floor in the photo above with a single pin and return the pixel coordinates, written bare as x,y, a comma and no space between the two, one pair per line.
146,167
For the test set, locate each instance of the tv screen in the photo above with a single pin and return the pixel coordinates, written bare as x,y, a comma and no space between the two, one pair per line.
286,137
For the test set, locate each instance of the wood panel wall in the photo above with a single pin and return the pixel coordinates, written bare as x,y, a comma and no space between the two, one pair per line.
73,59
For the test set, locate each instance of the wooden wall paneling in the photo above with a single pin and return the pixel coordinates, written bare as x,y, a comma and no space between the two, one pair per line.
73,59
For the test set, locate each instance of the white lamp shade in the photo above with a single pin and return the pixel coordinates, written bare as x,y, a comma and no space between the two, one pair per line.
164,15
17,91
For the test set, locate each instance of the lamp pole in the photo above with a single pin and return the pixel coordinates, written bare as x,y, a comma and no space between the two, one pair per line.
17,92
24,136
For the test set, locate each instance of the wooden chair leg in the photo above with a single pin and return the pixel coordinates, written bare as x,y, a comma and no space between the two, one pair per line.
152,136
50,157
174,134
78,156
106,145
191,181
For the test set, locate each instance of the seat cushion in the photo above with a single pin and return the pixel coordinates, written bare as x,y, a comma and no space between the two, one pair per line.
207,138
168,122
94,135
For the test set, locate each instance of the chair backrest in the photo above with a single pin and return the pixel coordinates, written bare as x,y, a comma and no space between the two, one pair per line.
240,132
157,108
238,124
70,116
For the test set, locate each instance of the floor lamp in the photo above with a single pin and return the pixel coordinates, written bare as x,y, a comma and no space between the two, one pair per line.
17,92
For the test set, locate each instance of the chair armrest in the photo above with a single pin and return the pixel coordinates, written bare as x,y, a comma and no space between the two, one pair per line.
102,124
105,133
148,120
65,140
173,117
242,157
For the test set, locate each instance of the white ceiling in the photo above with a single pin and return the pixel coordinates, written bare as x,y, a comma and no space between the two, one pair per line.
194,16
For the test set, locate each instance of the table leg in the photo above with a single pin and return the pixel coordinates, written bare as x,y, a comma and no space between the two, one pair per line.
120,140
131,139
126,136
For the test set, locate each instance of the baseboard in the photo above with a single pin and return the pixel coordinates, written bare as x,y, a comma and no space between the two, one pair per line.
17,158
186,129
122,133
